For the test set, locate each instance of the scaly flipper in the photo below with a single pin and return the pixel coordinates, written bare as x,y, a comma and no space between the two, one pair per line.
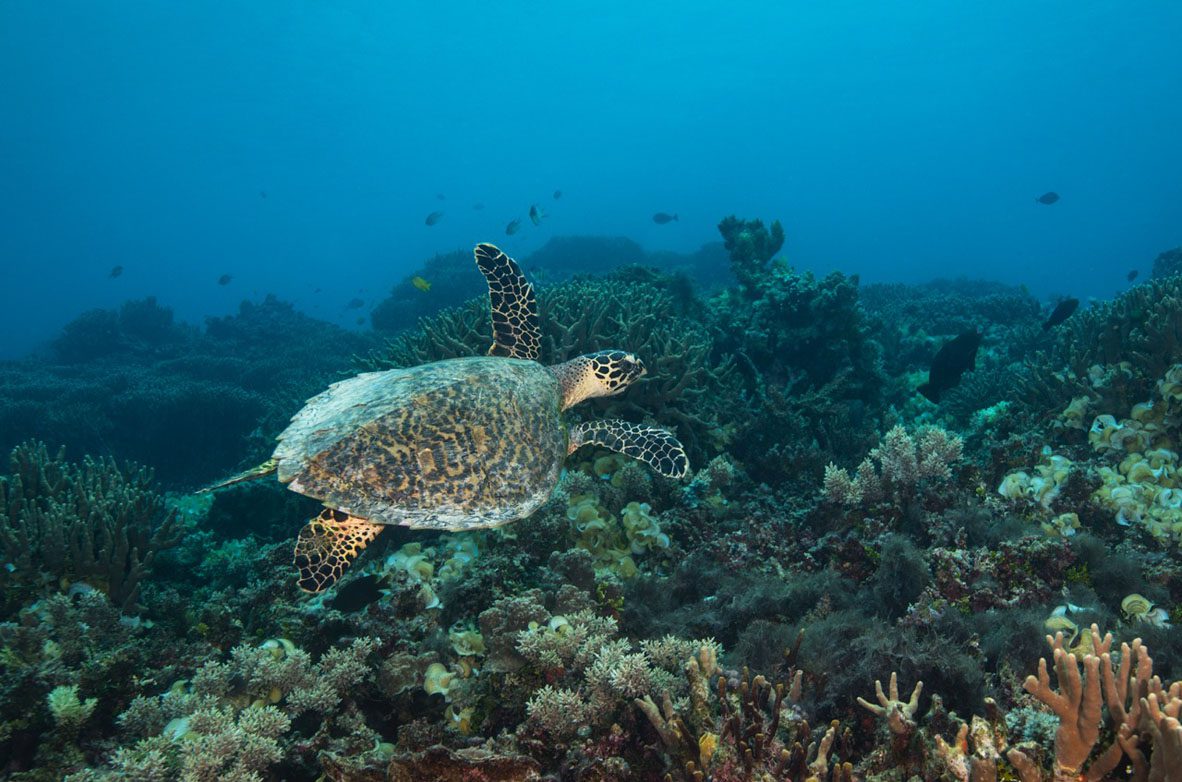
327,545
263,470
655,447
517,332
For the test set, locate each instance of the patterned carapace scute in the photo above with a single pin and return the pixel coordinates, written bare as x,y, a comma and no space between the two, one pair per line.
460,444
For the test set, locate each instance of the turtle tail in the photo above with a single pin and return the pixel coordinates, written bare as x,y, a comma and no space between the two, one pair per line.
263,470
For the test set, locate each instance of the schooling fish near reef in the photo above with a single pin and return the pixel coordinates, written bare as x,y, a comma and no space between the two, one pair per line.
420,283
660,218
115,272
513,227
225,279
1062,312
536,214
951,361
433,218
1131,275
355,304
1048,198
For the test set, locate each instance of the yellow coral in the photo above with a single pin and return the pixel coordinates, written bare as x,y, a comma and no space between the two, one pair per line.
466,642
461,719
1073,416
438,680
707,745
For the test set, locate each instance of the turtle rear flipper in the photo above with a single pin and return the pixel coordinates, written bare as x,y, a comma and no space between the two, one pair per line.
655,447
263,470
517,332
327,545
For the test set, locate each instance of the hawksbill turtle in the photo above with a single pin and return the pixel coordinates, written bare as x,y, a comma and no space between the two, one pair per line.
459,444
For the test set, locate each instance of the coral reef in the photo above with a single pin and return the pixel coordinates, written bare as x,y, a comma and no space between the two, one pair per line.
92,525
853,585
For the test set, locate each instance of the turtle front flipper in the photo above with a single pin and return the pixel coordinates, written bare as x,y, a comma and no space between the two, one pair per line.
655,447
327,545
517,332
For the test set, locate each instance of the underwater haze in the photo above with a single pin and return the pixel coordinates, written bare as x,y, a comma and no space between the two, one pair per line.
899,141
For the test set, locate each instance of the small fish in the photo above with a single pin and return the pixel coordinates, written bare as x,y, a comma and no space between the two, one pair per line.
355,304
1063,310
262,194
440,197
360,320
225,279
115,272
1131,275
557,194
420,283
536,214
479,205
1048,198
433,218
513,227
660,218
951,361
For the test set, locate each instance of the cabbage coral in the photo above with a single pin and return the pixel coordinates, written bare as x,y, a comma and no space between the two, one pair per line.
1144,488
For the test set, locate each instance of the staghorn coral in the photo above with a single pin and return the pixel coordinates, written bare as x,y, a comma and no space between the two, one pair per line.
92,522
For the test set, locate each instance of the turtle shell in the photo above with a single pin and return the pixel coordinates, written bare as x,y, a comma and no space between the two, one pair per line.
458,444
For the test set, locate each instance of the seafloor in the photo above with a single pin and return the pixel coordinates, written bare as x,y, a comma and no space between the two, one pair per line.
837,529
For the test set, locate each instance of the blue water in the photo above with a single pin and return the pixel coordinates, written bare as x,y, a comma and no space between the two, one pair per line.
900,140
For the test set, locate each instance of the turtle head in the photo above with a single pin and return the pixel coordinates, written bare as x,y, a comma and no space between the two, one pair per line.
605,373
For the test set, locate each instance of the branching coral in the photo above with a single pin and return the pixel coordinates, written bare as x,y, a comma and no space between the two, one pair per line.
897,469
1111,353
92,522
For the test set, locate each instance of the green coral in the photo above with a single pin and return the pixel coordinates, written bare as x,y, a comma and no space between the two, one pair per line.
94,522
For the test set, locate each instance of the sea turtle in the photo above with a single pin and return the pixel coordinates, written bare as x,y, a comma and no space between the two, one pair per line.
460,444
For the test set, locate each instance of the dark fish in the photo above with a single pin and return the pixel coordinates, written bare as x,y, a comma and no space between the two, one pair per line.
536,214
355,304
224,279
951,361
1048,198
433,218
262,194
478,205
115,272
660,218
1062,312
1131,275
440,197
513,227
557,194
